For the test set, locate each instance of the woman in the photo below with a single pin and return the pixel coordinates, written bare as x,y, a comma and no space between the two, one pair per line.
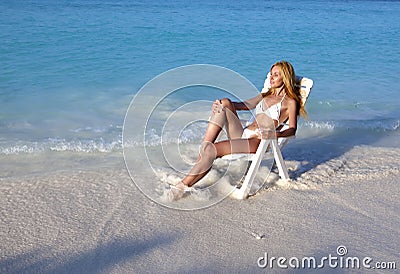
280,103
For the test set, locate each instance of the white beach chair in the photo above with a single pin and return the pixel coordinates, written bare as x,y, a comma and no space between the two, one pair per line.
265,145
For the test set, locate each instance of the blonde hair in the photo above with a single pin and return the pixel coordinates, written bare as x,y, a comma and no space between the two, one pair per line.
289,82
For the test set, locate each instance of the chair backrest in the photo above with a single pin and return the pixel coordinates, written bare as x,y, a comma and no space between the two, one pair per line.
305,84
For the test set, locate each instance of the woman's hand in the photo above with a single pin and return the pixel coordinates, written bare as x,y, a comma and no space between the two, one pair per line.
217,107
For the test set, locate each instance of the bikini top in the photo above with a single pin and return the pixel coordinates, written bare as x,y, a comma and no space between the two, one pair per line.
273,111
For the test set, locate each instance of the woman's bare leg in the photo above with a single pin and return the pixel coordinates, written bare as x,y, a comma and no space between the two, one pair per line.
209,152
227,117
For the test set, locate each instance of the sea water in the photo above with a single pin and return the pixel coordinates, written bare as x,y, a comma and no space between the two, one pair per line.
69,69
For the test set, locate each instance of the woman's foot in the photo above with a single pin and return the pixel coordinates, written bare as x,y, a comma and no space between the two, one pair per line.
177,191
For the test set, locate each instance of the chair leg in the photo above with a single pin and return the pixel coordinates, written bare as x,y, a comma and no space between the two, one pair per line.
243,191
280,163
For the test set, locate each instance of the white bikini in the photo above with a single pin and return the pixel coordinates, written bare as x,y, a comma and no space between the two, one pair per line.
274,112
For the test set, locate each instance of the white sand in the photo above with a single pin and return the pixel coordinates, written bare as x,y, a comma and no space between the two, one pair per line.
97,221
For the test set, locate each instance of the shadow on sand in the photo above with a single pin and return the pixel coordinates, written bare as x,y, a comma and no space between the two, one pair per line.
95,260
314,151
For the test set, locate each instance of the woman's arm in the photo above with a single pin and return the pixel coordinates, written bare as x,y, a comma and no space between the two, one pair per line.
291,131
248,104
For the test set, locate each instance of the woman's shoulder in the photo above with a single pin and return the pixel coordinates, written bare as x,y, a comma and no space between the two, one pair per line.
290,102
290,99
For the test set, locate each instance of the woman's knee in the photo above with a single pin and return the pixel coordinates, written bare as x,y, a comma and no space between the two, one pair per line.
226,102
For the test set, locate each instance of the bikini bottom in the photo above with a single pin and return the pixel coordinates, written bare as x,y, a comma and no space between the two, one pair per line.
248,133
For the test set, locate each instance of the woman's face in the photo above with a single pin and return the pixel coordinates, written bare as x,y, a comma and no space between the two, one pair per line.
276,79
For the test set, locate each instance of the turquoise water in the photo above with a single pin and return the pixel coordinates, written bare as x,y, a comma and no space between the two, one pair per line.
69,69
